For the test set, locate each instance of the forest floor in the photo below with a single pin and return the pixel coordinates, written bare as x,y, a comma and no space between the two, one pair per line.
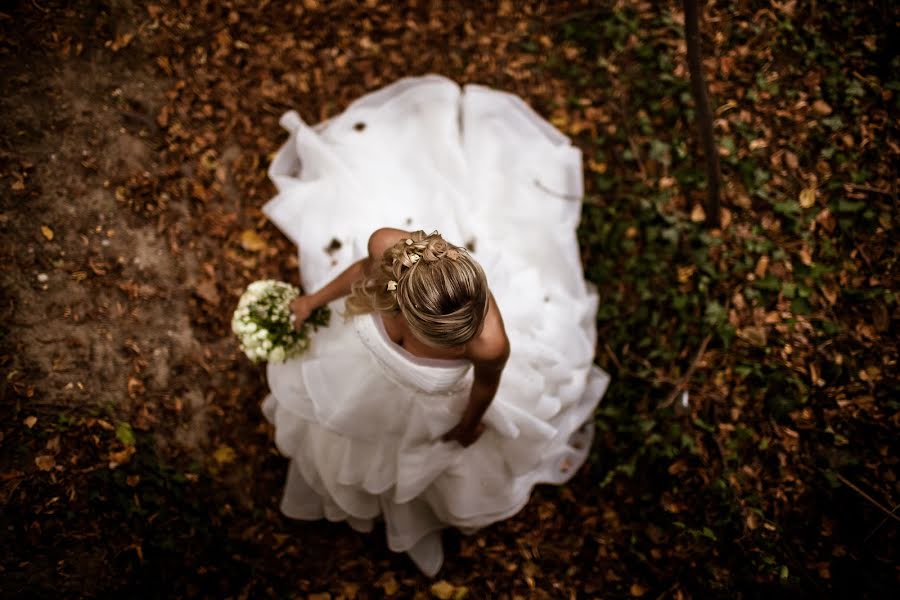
748,444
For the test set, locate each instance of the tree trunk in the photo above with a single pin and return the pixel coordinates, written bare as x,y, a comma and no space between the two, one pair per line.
704,114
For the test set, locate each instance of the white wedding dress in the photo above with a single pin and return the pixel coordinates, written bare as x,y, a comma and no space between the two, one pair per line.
360,417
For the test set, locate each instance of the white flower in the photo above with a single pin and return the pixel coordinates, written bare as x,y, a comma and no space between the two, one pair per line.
391,285
414,258
263,309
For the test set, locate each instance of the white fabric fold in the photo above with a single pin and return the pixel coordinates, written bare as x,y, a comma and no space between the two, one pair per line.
361,418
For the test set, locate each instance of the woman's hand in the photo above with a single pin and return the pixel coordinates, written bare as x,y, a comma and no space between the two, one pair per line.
466,436
301,308
488,353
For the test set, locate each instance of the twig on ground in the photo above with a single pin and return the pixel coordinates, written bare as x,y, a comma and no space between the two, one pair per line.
657,379
666,592
866,188
679,387
642,171
637,157
574,15
864,255
635,150
612,355
852,486
877,527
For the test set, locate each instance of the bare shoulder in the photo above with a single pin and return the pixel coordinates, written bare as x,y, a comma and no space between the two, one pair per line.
491,346
383,238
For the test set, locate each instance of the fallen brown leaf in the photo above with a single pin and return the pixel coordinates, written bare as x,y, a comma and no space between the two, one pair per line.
821,107
120,457
753,335
698,214
224,454
45,462
388,583
807,197
207,291
443,590
251,242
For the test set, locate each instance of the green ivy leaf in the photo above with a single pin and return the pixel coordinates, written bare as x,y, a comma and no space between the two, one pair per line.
124,433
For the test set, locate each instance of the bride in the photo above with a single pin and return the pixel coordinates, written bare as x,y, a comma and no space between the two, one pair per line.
462,373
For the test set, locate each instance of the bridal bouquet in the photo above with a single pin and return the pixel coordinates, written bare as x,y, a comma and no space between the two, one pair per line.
263,324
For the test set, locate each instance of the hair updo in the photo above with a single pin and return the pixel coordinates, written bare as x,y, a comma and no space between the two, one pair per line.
439,289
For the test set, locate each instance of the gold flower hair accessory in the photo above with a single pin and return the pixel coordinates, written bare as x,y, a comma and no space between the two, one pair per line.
452,254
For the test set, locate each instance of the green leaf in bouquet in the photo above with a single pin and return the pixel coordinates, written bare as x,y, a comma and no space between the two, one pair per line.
320,317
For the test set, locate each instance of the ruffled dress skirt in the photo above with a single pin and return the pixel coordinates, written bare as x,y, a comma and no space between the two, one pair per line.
361,418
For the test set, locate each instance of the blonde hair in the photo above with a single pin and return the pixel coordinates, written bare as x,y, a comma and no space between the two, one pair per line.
439,289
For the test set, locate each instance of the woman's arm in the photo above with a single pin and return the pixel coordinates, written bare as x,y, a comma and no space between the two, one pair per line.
303,306
340,285
379,241
488,353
